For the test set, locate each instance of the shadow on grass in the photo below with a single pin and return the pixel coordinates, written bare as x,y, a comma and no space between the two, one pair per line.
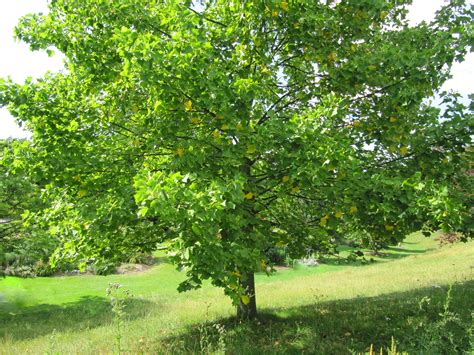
338,327
158,260
406,251
19,323
388,254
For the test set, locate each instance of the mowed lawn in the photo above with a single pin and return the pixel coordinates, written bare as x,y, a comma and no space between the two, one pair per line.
334,308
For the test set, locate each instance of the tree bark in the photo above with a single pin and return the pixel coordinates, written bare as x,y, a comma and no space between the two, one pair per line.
249,310
246,311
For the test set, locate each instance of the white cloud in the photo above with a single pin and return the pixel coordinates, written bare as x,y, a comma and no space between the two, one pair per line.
19,62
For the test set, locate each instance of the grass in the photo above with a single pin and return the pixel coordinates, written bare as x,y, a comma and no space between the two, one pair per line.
333,308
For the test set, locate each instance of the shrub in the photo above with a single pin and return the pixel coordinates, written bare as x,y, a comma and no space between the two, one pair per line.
448,238
276,255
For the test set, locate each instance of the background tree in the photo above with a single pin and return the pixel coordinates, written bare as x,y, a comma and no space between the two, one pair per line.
24,248
222,129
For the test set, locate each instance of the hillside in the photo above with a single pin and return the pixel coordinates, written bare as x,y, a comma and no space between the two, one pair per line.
331,308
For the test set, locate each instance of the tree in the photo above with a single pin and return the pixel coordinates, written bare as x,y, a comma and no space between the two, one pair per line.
221,129
15,191
21,245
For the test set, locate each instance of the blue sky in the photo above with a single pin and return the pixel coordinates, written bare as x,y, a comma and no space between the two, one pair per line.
19,62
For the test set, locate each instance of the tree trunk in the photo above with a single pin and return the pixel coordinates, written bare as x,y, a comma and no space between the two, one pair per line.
249,310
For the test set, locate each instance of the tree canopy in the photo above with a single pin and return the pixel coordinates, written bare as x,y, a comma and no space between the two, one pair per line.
220,129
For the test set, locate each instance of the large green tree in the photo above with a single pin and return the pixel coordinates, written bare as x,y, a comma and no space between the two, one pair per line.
223,128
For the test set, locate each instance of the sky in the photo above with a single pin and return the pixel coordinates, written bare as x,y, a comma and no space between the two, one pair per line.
17,61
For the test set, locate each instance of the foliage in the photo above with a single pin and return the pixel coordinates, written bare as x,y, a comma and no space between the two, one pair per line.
223,129
18,193
24,246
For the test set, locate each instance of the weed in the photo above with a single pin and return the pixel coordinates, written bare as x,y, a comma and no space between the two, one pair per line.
446,334
142,346
52,343
221,348
471,333
290,262
390,351
210,335
118,296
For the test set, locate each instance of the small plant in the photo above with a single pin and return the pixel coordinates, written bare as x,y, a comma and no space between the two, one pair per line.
471,334
142,346
204,338
118,297
290,262
447,334
221,349
391,351
52,343
208,336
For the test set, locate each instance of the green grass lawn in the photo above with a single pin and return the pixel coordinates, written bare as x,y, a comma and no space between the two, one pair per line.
333,308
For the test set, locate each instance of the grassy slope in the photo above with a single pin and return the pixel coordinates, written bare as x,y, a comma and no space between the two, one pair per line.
328,309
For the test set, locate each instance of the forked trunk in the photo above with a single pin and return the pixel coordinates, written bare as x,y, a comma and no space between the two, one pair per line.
248,310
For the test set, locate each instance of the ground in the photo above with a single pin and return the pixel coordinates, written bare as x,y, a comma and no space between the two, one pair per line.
332,308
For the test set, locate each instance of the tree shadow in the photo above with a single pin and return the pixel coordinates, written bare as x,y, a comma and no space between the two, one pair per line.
20,323
406,251
338,327
394,253
387,254
158,260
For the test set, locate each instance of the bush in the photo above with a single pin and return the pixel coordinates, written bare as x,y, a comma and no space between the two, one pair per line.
27,254
276,255
448,238
141,258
